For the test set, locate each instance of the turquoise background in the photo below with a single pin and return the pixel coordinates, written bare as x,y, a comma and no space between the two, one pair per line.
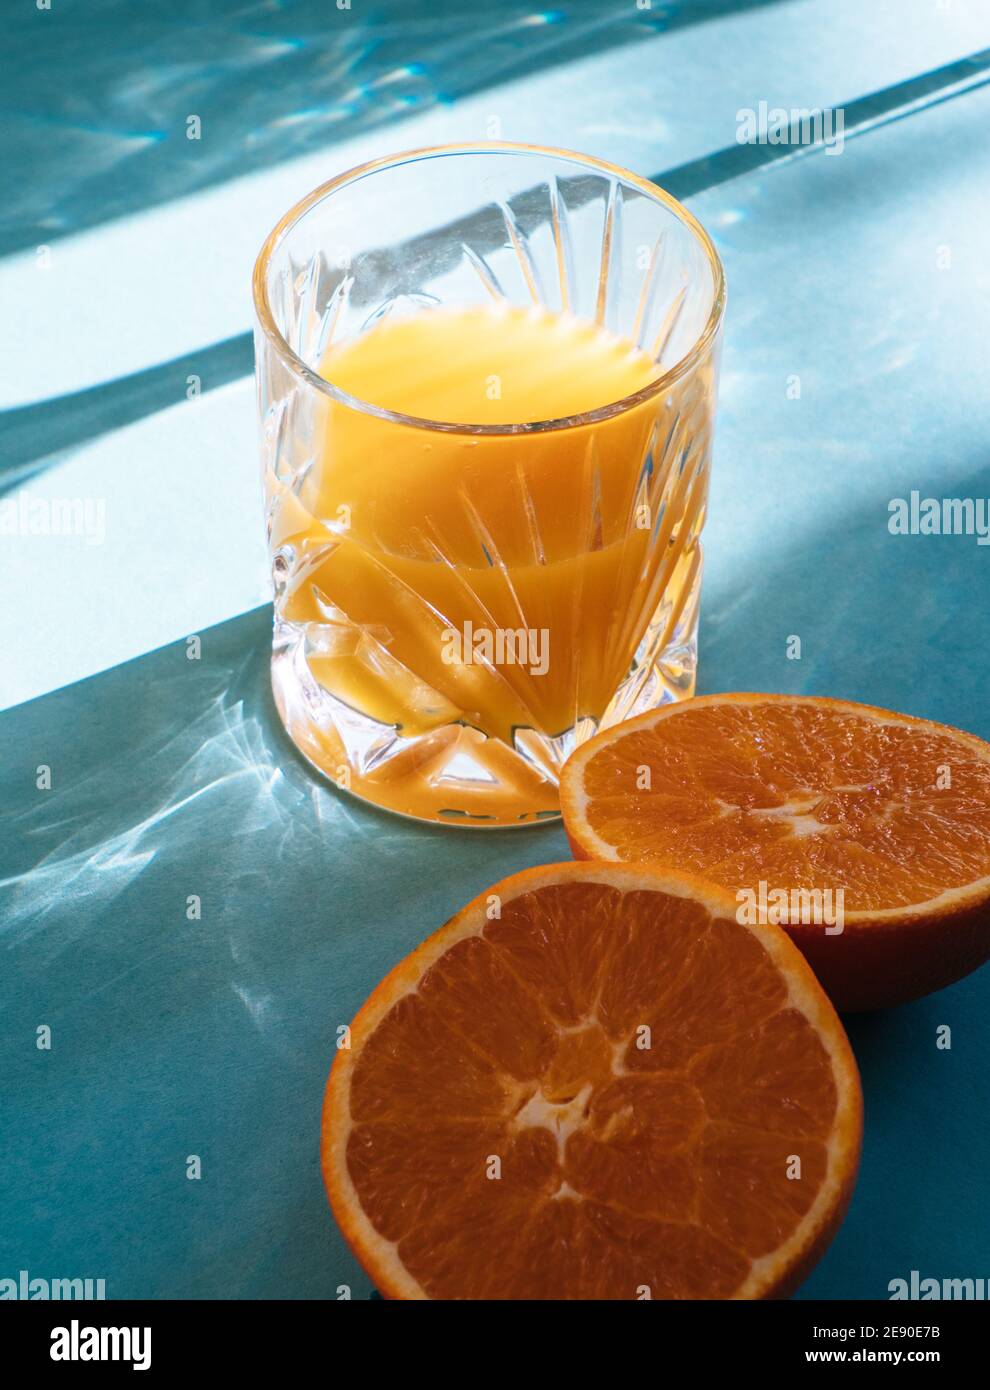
172,777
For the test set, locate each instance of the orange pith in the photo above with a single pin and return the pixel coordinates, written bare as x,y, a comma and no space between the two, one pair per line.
593,1083
801,793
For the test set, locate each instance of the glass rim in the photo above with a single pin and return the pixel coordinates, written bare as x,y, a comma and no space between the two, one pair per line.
299,368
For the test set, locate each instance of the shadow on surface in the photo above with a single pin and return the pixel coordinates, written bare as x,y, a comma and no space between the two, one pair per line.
173,783
97,96
865,113
169,758
34,436
902,622
194,916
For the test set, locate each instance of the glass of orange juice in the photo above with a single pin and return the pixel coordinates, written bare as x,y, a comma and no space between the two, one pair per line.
486,380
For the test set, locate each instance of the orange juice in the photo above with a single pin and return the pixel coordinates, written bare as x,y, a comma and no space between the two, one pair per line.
463,603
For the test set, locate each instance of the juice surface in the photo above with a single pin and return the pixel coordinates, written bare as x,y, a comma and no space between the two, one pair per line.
488,592
489,366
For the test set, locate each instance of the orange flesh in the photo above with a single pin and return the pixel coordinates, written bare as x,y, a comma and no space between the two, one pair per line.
799,795
623,1167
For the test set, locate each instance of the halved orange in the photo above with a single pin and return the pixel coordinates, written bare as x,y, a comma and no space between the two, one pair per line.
870,829
593,1083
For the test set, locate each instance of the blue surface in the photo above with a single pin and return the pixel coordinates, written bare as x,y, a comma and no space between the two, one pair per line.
172,777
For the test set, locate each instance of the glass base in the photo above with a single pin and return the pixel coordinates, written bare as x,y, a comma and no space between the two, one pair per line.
456,774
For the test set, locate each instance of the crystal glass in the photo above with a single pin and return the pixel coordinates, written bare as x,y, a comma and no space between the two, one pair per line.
463,597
